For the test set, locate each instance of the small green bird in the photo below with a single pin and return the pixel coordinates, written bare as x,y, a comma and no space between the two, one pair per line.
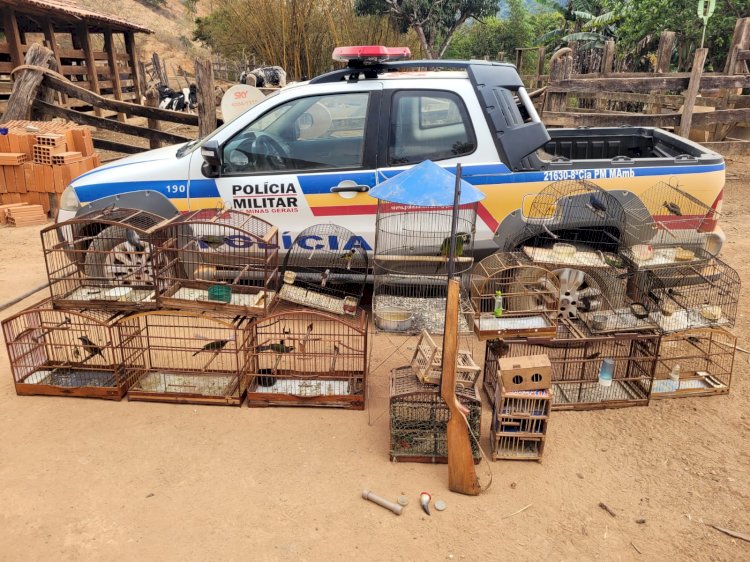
212,241
216,346
445,248
275,347
90,347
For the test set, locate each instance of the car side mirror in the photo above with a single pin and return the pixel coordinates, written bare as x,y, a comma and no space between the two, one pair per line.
211,154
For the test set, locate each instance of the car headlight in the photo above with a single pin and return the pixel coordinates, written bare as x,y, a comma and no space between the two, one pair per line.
69,200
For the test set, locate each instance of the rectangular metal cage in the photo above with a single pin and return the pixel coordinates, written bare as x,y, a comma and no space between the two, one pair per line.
65,352
419,418
103,259
186,357
306,357
220,260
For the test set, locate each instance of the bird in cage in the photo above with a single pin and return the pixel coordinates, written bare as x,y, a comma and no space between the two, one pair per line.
596,204
134,240
212,241
280,347
445,248
611,261
348,257
673,208
215,346
324,277
90,347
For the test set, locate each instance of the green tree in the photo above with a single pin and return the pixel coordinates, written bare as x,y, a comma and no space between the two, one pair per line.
587,21
434,21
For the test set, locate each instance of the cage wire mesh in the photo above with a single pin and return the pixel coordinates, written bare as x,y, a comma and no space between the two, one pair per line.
65,352
221,260
512,297
325,269
102,259
308,357
681,297
696,362
412,245
419,418
186,357
577,357
667,226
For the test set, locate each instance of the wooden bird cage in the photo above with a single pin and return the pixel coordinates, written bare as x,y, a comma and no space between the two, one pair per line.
667,226
419,418
519,424
220,260
325,269
306,357
427,363
103,259
65,352
186,357
511,297
696,362
577,358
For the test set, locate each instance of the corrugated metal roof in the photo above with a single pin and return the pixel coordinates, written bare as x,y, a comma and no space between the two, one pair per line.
71,9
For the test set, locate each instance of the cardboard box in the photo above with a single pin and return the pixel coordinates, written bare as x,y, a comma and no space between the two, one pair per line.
530,372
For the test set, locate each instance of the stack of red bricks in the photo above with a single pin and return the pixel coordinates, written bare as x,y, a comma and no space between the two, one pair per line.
38,159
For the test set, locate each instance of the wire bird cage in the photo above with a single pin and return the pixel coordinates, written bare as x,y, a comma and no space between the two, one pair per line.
667,226
221,260
186,357
412,246
102,259
326,270
580,379
511,297
305,357
695,362
682,297
419,418
65,352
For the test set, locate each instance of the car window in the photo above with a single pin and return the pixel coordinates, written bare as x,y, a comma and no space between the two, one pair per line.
311,133
428,125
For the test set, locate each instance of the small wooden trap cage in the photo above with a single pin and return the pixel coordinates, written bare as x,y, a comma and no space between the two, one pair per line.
511,297
306,357
682,297
580,377
696,362
419,418
186,357
427,363
65,352
325,269
667,226
519,424
102,259
221,260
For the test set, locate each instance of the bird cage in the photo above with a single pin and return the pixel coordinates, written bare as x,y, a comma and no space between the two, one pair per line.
65,352
186,357
221,260
412,245
102,259
579,372
325,269
419,419
696,362
511,297
427,363
306,357
682,297
571,224
667,226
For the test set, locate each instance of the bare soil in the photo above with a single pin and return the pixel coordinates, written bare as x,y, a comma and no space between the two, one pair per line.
95,480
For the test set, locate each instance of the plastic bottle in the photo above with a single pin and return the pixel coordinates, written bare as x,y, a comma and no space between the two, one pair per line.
498,312
606,372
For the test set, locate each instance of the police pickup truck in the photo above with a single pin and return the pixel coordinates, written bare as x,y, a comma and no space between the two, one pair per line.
310,152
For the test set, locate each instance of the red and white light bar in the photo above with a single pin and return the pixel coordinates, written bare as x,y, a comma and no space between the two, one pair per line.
371,53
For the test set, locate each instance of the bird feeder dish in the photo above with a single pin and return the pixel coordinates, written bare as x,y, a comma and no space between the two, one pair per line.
225,261
102,259
67,352
186,357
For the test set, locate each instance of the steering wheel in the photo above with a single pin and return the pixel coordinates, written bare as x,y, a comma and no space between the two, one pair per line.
273,150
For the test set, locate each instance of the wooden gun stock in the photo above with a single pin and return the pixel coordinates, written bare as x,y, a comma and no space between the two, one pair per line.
462,476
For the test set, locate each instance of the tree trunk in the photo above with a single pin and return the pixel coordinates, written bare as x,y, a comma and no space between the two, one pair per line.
26,85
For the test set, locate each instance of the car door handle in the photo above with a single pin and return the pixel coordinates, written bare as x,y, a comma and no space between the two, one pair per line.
356,188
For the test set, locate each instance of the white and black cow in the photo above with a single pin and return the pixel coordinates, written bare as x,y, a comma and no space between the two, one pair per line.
265,77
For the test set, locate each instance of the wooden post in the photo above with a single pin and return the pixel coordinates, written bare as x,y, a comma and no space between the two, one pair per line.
740,39
561,69
540,67
49,36
114,69
608,57
664,54
204,78
82,32
138,86
151,99
519,60
692,92
13,37
26,84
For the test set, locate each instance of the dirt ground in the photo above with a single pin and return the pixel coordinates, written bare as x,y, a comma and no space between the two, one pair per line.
95,480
